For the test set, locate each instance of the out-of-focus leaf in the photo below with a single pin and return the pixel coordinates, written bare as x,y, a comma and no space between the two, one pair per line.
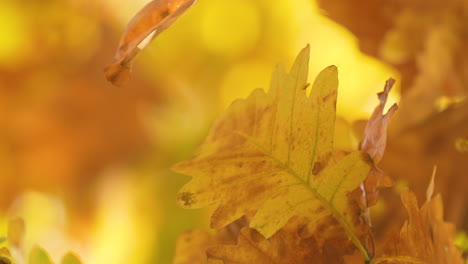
39,256
273,152
5,256
148,23
70,258
461,240
16,230
424,237
461,145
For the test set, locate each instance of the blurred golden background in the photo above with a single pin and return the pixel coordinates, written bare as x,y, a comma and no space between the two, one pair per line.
86,164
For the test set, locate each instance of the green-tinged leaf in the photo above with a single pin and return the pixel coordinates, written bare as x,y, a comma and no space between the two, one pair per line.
273,153
461,241
5,256
70,258
39,256
461,145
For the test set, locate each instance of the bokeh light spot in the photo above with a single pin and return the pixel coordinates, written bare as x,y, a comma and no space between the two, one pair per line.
230,28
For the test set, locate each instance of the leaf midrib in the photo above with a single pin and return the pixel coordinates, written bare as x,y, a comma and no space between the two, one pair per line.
346,225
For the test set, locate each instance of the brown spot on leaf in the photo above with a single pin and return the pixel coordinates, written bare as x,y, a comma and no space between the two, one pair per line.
165,13
317,168
329,96
187,198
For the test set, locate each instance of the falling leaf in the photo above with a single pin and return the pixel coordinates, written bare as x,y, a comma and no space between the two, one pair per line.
147,24
70,258
273,152
424,237
284,247
16,230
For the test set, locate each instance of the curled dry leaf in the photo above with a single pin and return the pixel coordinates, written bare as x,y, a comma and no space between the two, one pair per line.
374,143
375,134
148,23
424,237
273,152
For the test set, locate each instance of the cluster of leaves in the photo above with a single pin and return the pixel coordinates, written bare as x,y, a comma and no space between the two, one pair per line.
425,40
271,157
37,255
269,161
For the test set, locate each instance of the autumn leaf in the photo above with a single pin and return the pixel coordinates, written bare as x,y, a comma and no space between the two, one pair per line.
147,24
424,237
39,256
192,245
273,152
5,256
374,143
70,258
284,247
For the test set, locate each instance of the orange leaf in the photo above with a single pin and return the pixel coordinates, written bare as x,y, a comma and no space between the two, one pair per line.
148,23
424,237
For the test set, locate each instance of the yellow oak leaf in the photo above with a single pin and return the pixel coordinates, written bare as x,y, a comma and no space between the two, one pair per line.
273,153
148,23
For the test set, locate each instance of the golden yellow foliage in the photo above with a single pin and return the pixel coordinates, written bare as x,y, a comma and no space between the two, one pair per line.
273,152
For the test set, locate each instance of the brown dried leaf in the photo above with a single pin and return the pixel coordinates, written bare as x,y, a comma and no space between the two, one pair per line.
285,247
192,245
148,23
374,143
424,237
375,134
